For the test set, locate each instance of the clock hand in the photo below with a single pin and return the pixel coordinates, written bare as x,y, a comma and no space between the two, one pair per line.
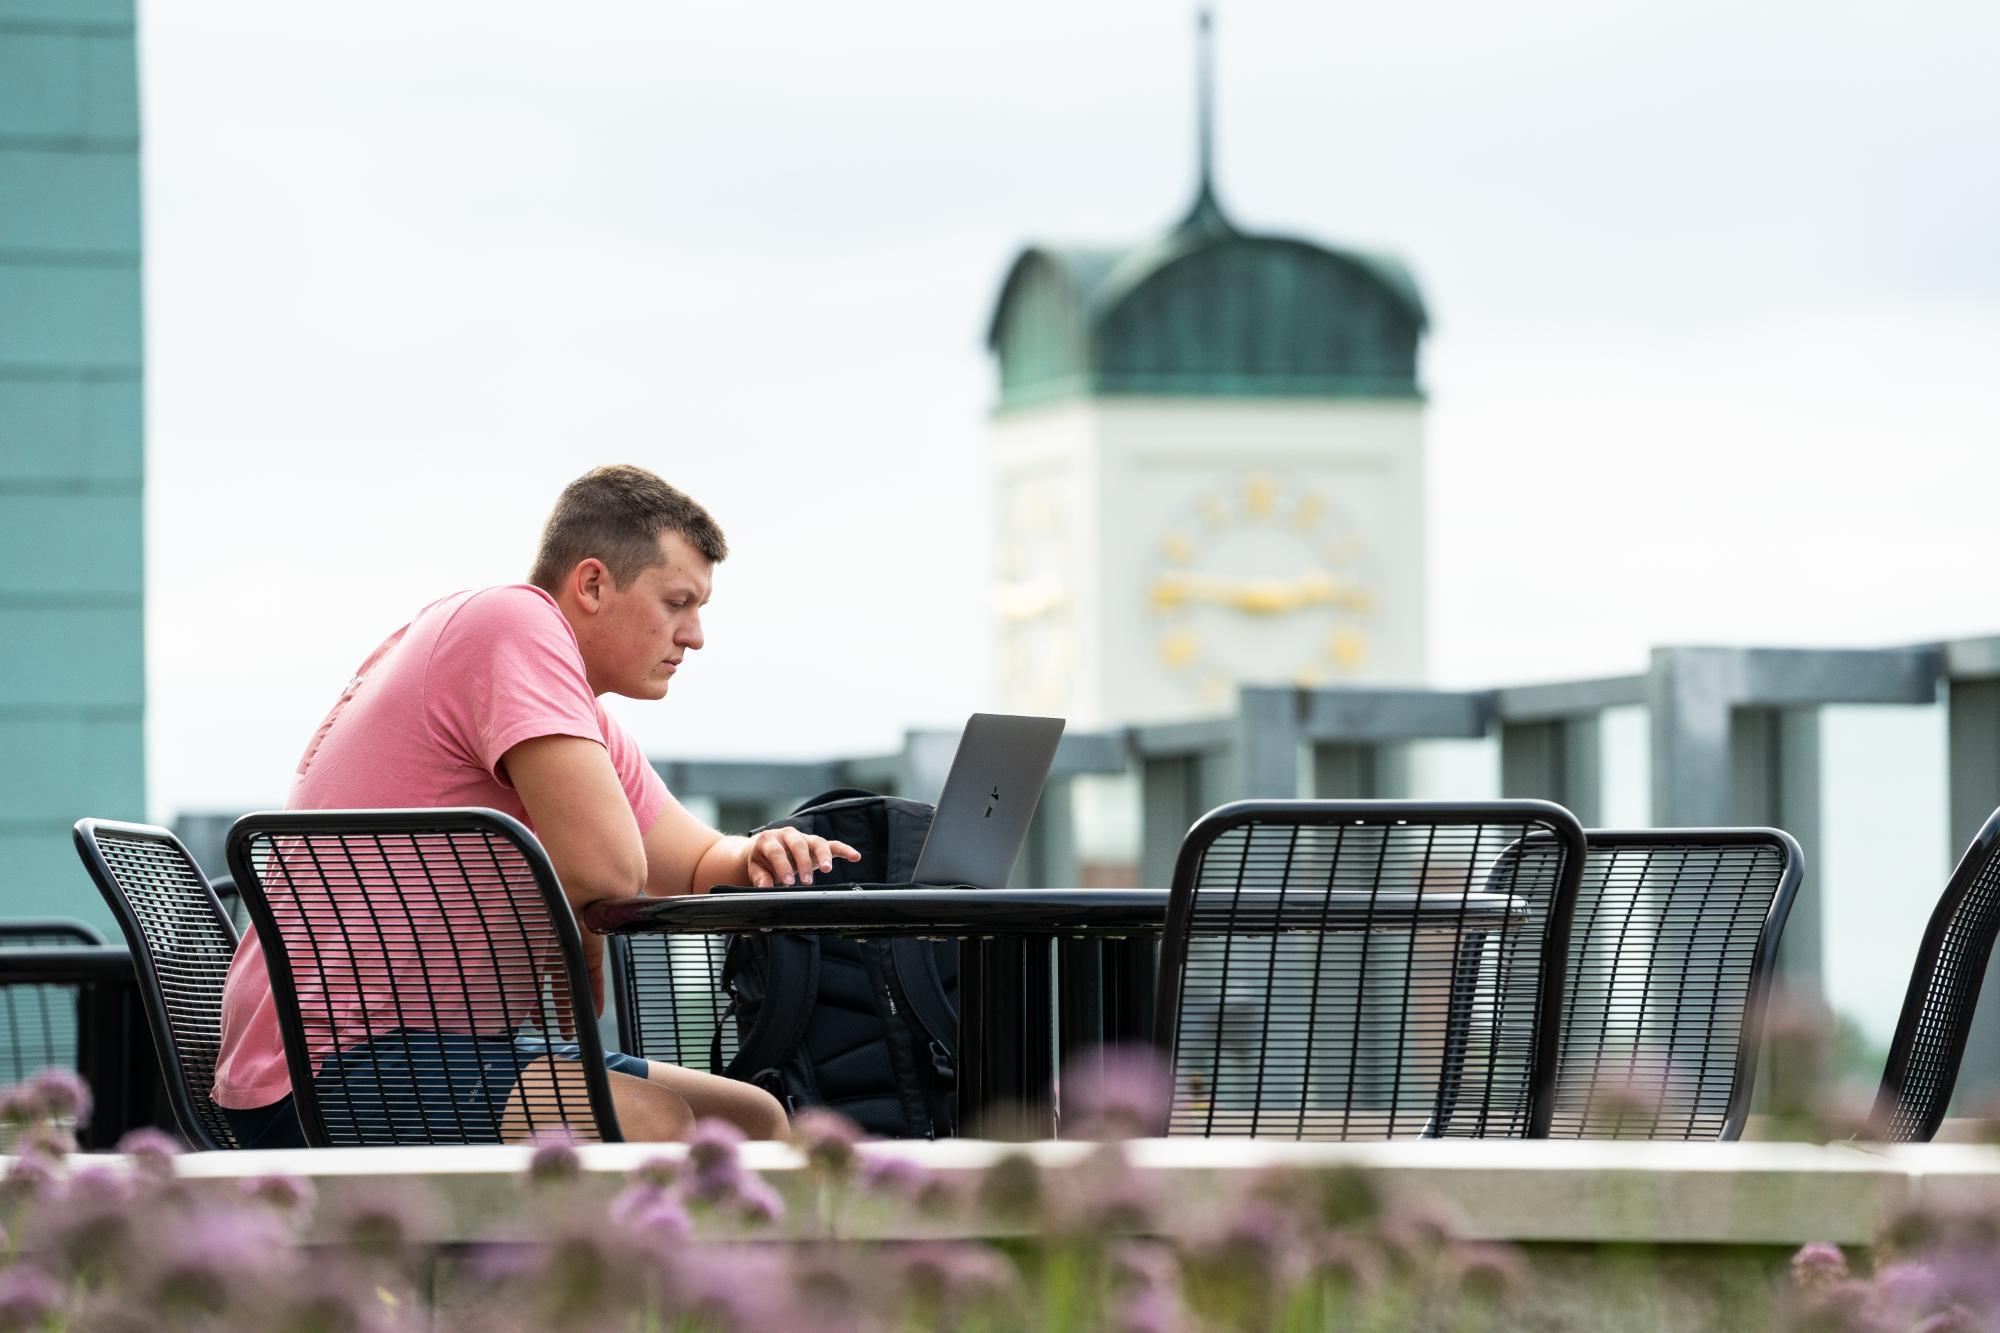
1259,596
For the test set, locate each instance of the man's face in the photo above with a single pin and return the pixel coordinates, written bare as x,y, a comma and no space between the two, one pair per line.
642,631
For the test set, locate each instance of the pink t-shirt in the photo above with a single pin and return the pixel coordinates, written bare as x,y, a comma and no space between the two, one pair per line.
424,723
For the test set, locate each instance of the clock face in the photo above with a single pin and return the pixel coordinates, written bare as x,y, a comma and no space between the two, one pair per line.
1259,580
1034,600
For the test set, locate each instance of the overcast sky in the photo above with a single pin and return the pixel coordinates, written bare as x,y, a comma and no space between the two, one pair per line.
1715,287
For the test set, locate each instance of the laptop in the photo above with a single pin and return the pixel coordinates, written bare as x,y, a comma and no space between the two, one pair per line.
989,799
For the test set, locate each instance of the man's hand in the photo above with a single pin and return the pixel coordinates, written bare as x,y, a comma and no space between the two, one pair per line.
786,856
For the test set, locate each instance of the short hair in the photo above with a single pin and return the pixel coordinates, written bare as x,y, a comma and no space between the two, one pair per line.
616,514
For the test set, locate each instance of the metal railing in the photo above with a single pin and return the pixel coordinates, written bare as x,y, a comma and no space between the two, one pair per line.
1733,738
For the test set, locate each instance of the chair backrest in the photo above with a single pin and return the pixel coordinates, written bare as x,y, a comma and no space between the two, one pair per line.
1367,969
670,1001
181,943
1671,953
423,964
38,1021
1936,1019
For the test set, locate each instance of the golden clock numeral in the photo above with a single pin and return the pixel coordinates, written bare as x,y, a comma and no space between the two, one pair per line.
1345,648
1260,493
1176,547
1215,511
1179,649
1306,515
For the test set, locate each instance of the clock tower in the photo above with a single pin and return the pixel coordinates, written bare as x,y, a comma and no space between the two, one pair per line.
1208,468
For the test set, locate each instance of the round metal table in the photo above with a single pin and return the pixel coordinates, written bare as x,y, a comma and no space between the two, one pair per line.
1023,1006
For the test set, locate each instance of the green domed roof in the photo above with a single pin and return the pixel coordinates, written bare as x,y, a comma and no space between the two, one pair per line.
1207,310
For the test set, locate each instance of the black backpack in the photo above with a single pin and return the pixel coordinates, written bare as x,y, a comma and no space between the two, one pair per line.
868,1028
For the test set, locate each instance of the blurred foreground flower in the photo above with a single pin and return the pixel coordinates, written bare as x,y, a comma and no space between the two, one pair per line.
1117,1092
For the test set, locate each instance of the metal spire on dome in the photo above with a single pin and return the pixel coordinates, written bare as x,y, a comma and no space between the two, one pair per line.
1206,215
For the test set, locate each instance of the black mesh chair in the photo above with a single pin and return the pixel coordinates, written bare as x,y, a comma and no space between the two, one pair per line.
38,1020
1367,969
425,967
1937,1009
181,942
670,1001
1671,952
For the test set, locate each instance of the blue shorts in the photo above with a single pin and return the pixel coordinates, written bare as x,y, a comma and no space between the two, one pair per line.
412,1086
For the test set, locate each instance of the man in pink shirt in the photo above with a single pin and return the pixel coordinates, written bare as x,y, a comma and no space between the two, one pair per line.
490,698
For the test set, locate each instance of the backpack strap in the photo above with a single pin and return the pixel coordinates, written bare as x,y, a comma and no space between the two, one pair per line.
923,988
791,980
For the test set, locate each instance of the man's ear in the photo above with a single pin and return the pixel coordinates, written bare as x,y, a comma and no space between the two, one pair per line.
589,581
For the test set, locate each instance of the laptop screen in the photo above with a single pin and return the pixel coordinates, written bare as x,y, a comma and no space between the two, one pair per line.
989,800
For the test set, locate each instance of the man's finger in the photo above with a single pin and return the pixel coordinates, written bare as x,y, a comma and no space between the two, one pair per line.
799,847
843,851
759,878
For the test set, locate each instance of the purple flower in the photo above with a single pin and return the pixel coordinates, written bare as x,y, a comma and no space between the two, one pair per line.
1818,1262
1349,1262
650,1214
58,1094
757,1202
1117,1092
27,1178
152,1151
206,1259
736,1288
1143,1263
1107,1195
384,1223
99,1186
953,1276
1011,1189
1906,1287
45,1140
1146,1310
657,1171
712,1143
1488,1274
1957,1319
1413,1232
893,1175
943,1196
554,1160
289,1195
329,1295
28,1296
827,1139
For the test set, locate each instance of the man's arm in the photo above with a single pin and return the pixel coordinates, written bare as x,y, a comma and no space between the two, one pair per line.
684,855
578,807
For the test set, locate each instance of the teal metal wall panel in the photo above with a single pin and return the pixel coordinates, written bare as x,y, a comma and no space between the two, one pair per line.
66,14
111,78
97,667
44,878
62,316
68,430
85,203
72,579
64,766
67,85
58,546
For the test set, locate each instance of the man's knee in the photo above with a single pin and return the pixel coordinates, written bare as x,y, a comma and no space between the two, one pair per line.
765,1115
650,1113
